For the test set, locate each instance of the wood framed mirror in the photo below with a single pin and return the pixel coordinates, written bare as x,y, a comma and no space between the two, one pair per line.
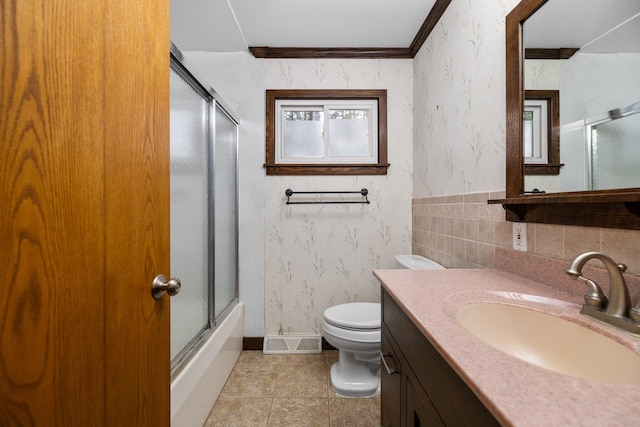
612,208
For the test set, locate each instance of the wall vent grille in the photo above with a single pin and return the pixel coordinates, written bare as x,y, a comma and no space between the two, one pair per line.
292,344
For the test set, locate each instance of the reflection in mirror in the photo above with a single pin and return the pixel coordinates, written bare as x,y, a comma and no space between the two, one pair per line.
602,75
535,132
613,208
541,132
613,154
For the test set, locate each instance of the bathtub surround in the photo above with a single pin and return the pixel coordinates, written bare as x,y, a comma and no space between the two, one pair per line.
195,388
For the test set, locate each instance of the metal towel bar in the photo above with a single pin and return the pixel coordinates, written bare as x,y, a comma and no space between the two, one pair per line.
364,192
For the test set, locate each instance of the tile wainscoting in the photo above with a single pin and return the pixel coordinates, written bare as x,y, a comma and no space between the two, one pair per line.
463,231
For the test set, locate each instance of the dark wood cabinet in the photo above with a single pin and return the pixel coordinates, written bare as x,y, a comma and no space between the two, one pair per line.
420,411
419,388
391,384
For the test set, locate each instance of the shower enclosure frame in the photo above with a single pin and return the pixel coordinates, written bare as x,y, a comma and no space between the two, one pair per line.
214,101
590,124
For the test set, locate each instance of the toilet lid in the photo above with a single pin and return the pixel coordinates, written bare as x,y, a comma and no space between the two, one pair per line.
357,315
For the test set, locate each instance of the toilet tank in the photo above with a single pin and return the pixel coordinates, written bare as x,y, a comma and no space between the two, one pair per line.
417,262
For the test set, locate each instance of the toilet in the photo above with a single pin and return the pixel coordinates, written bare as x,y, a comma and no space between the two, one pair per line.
354,329
416,262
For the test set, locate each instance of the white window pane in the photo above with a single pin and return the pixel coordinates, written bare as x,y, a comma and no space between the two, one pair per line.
302,133
528,134
535,132
349,132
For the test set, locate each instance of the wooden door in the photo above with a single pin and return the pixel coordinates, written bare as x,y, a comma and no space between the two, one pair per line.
84,212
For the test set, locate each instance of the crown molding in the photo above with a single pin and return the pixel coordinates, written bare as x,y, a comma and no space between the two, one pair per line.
428,25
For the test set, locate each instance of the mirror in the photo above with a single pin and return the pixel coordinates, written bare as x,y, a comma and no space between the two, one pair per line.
600,74
568,204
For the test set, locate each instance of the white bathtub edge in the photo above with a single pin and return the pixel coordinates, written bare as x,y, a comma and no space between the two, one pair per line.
195,390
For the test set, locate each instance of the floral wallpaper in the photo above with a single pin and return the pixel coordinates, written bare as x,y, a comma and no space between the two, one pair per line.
459,101
317,256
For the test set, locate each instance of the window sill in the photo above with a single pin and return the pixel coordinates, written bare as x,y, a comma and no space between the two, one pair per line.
337,169
546,169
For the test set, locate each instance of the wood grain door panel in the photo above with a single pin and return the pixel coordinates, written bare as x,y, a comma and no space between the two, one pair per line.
137,211
84,170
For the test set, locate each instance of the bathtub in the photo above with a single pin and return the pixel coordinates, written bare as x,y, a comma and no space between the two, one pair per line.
195,389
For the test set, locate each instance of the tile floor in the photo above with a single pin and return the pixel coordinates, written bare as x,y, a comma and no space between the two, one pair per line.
288,390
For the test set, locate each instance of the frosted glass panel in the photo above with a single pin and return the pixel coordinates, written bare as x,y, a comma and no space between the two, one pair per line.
615,153
349,133
226,247
190,138
302,133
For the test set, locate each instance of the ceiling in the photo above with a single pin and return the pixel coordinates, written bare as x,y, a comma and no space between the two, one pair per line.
594,26
234,25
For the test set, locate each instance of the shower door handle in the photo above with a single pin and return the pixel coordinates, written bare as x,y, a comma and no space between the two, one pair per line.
161,285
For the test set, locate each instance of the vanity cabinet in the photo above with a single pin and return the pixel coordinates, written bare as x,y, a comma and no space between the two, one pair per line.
420,388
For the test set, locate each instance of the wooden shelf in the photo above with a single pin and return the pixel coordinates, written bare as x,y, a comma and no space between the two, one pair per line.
615,209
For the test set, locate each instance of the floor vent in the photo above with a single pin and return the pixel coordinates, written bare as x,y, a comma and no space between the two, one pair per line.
292,344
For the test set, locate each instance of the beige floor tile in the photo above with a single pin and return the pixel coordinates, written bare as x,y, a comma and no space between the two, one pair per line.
331,356
346,412
330,391
302,381
318,359
251,381
296,412
288,390
257,358
230,411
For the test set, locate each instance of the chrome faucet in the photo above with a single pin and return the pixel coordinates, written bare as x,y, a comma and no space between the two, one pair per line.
616,311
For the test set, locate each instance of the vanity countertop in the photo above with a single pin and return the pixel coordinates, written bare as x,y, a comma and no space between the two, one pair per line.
516,392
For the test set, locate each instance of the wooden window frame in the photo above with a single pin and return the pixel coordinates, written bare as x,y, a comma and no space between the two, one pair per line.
553,165
273,168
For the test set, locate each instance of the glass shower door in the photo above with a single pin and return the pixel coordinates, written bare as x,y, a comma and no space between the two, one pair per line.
204,225
226,241
191,213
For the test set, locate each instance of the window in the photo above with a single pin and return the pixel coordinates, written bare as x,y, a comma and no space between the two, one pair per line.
326,132
535,132
541,132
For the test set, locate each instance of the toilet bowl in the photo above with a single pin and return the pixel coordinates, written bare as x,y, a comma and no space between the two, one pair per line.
354,329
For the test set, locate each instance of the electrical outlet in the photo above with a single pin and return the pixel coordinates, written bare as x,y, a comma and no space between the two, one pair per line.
520,236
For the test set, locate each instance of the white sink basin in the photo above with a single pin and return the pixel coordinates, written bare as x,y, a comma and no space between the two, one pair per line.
551,342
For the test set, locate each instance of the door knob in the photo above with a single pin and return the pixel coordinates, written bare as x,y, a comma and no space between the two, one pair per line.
160,286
